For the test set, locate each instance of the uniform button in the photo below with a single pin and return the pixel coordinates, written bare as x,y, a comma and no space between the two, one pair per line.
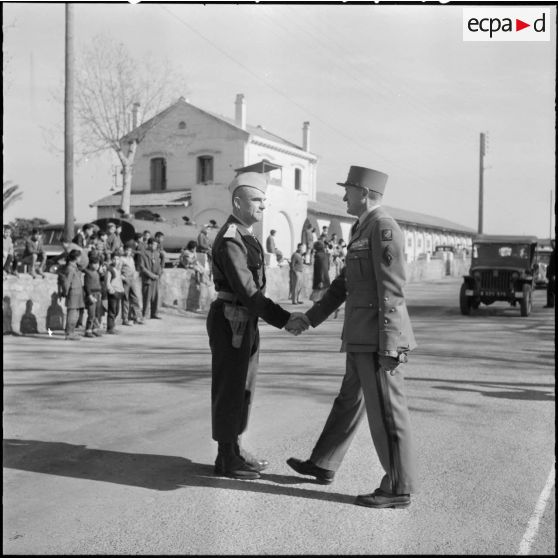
392,309
386,298
386,322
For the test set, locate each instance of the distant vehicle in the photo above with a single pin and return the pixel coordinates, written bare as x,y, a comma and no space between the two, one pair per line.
502,268
543,259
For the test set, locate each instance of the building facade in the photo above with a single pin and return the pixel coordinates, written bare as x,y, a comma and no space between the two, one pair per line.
188,157
423,233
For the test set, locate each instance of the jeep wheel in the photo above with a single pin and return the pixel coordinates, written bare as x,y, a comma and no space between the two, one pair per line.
526,301
464,301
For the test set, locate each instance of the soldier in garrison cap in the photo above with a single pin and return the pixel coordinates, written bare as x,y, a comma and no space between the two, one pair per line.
377,335
232,325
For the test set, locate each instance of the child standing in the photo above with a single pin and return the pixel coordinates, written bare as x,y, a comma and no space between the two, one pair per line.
92,291
115,292
70,286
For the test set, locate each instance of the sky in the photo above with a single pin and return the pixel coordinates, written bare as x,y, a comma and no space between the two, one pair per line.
394,88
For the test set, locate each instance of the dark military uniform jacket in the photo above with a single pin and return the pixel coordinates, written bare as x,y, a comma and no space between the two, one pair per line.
238,268
371,283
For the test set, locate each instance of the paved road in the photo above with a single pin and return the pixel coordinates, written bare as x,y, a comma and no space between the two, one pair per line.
107,443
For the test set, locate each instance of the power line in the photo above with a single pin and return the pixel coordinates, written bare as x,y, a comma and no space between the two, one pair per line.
401,94
287,97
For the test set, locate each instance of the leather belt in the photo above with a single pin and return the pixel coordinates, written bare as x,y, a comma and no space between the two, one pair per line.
224,295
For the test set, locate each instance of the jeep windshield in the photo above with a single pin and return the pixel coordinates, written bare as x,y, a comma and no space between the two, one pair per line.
506,255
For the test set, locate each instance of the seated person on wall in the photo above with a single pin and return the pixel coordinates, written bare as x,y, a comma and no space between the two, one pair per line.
34,255
189,260
9,263
271,248
205,246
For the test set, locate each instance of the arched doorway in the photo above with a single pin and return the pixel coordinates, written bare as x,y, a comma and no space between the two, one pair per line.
284,240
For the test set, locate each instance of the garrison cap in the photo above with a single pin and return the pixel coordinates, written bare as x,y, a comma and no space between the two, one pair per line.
366,178
254,179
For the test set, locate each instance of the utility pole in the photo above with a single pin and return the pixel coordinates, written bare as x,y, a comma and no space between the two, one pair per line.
481,177
551,236
69,125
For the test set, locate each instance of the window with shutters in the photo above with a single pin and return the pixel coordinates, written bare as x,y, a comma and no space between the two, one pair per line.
205,169
158,174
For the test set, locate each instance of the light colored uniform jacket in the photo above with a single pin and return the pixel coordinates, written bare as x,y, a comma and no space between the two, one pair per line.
371,283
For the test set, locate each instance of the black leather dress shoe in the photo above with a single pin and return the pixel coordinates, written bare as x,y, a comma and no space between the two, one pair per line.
235,468
254,462
381,499
323,476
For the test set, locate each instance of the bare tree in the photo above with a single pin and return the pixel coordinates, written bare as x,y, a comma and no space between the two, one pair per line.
110,87
11,192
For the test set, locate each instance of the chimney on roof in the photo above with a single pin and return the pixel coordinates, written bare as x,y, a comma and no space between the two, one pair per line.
240,111
306,136
135,110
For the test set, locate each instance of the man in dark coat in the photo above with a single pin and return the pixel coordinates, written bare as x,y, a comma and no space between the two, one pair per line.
150,271
320,278
232,325
71,287
377,335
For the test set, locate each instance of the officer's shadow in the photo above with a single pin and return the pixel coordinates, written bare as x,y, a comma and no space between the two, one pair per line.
155,472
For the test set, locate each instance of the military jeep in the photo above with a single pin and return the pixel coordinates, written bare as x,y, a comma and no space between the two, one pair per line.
502,268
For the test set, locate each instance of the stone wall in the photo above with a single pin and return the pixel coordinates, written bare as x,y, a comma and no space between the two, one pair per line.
31,305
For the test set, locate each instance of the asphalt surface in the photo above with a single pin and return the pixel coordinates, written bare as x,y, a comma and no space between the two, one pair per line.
108,450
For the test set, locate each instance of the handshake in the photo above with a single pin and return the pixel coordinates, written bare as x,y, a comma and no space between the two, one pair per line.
298,322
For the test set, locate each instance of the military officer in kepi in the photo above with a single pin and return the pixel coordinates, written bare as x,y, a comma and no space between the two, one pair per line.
232,325
377,336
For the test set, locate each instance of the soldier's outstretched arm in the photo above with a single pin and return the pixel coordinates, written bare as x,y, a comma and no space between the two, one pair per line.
233,259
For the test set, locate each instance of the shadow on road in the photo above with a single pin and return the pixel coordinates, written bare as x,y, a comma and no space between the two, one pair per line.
154,472
486,388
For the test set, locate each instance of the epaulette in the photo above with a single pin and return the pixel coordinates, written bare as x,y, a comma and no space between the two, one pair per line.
231,231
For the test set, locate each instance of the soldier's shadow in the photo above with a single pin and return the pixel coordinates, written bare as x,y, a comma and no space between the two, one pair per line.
155,472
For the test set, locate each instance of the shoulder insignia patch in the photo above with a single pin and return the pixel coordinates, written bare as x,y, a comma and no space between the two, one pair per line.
230,232
387,234
387,256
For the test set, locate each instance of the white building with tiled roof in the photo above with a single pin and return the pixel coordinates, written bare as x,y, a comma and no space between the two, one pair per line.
423,233
188,156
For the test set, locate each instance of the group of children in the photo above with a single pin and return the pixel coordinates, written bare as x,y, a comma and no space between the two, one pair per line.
104,277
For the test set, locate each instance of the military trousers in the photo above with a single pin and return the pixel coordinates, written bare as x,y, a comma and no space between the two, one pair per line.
233,374
368,389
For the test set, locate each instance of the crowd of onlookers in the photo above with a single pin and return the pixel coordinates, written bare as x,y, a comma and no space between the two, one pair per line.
103,279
